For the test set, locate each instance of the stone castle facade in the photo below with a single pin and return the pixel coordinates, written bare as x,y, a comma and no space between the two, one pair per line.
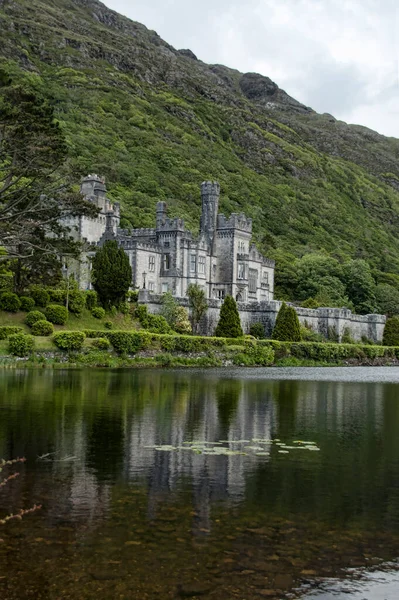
222,259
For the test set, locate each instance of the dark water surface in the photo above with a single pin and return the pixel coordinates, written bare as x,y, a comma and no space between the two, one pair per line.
250,519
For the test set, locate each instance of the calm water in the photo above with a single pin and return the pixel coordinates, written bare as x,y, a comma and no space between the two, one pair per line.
243,516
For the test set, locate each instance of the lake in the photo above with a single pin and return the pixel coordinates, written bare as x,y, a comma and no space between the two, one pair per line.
219,484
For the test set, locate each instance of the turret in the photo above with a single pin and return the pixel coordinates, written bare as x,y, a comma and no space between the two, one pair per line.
210,191
94,189
161,213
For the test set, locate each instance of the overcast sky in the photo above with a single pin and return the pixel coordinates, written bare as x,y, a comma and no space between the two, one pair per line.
337,56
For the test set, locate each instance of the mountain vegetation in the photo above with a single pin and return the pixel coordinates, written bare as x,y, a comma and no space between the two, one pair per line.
156,121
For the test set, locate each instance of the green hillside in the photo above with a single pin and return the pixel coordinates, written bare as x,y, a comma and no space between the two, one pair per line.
156,121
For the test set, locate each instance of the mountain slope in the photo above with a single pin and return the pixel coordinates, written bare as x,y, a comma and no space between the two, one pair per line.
156,122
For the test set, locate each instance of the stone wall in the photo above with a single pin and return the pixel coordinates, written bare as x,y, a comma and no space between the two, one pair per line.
321,320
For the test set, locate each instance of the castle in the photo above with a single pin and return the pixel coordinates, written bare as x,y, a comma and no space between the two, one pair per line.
167,258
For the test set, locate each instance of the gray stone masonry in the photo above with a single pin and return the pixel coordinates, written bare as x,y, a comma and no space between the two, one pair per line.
320,320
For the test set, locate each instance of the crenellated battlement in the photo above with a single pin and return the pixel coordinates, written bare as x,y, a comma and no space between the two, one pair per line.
235,221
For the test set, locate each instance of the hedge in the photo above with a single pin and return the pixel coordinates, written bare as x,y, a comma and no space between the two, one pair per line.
326,352
101,343
10,302
27,304
69,340
127,342
21,344
33,316
43,328
57,314
7,330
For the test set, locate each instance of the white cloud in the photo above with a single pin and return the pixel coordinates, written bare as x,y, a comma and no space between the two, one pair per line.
338,56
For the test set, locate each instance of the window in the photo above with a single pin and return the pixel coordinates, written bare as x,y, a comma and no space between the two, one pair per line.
151,286
151,264
253,280
167,244
241,247
166,262
193,263
165,288
201,264
265,277
219,294
241,271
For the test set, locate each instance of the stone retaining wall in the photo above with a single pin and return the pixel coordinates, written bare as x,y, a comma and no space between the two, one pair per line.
321,320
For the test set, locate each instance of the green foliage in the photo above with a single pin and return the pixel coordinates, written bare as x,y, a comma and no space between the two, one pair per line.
176,316
108,324
360,286
76,302
40,295
229,321
287,326
91,299
101,343
10,302
391,332
347,337
98,312
124,308
254,355
126,342
33,316
69,340
198,304
27,304
387,298
257,330
133,296
57,314
57,295
20,344
111,274
42,328
182,323
309,335
332,334
310,303
153,323
7,330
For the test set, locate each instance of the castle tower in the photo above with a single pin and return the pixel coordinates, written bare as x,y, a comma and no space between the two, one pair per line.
210,192
94,189
160,214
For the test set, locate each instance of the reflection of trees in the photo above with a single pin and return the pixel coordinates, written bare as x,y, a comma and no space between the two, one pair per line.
286,396
227,393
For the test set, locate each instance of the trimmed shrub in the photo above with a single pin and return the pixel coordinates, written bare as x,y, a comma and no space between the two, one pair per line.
94,333
229,321
27,304
7,330
391,332
33,316
57,295
10,302
21,344
76,302
40,295
128,342
153,323
57,314
98,312
42,328
108,325
101,343
91,299
69,340
257,330
287,326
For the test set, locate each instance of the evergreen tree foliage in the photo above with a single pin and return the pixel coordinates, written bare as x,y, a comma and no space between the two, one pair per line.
287,328
197,303
391,332
387,298
360,286
111,274
35,195
229,321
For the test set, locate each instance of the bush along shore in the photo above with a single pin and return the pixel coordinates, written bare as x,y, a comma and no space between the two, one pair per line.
105,348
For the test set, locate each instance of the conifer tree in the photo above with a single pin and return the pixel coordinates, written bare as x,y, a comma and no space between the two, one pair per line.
111,274
229,321
287,328
391,332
